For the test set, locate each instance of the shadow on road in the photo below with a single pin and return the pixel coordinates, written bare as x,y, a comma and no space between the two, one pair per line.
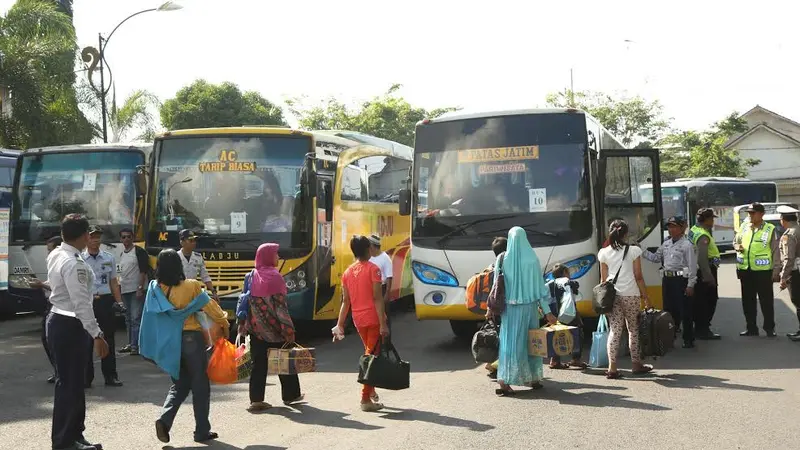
559,391
309,415
415,415
688,381
218,445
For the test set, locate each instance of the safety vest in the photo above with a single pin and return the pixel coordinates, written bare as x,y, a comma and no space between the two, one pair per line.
696,232
756,251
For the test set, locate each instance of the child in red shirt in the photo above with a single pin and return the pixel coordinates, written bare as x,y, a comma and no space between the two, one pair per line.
361,285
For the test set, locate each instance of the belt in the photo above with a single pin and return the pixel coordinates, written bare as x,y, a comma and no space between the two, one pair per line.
62,312
673,273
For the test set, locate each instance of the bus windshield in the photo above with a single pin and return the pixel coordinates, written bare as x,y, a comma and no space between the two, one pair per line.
476,178
732,194
98,184
673,200
234,192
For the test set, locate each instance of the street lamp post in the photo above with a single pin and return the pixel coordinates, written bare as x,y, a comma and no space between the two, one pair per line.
95,60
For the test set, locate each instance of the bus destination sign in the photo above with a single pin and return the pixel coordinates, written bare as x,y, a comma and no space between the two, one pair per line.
228,161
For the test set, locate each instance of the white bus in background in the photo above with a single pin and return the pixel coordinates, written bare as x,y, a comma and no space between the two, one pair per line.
8,165
685,196
555,172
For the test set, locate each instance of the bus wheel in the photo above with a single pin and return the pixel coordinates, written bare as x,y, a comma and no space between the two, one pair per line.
464,329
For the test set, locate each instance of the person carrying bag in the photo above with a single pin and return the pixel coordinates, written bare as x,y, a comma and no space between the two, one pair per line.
383,368
606,292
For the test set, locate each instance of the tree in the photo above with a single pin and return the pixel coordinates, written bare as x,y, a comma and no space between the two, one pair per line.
703,154
38,44
388,116
631,119
204,105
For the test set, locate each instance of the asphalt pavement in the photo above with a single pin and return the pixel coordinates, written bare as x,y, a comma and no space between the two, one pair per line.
734,393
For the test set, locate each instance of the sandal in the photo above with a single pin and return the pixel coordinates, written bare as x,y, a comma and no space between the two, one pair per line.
258,407
536,386
559,366
613,375
505,392
646,368
297,400
579,365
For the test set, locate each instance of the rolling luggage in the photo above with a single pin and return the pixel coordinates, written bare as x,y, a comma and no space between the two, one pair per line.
656,333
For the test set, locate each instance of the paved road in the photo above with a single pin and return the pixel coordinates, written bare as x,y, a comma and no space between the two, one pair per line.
735,393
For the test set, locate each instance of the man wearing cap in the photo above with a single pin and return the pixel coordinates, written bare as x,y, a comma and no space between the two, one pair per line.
194,266
757,251
790,249
384,262
706,291
106,292
679,270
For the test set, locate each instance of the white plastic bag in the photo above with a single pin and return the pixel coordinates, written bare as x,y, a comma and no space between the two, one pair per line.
568,311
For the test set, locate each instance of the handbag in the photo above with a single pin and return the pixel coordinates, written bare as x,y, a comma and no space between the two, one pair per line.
598,355
384,369
244,361
605,292
497,295
486,343
291,359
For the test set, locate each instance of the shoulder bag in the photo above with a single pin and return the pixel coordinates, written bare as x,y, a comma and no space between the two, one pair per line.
605,292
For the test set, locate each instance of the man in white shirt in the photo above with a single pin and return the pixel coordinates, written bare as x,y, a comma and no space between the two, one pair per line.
384,262
132,270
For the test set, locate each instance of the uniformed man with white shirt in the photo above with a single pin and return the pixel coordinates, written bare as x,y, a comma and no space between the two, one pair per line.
70,324
790,259
194,266
51,245
384,262
106,291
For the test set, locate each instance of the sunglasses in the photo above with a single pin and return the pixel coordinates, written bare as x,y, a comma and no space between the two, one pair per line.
126,236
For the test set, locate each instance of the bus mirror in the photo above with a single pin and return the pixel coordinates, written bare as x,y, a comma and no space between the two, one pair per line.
405,202
141,182
328,203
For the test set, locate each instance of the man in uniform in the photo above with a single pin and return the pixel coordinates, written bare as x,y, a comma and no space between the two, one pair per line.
679,269
384,262
106,293
51,245
706,292
790,250
70,324
194,266
757,250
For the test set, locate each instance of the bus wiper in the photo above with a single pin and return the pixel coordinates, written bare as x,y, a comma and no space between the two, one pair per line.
464,226
223,239
530,227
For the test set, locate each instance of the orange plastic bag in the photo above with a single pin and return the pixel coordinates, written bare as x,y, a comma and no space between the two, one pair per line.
222,364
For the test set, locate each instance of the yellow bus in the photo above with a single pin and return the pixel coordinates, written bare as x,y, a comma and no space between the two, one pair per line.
237,188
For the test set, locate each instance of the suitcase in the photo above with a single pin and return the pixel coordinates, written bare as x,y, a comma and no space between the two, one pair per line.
656,333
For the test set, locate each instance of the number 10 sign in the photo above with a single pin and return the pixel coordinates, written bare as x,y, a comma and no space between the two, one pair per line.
537,199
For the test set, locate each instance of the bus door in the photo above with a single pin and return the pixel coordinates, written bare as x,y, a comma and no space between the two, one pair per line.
323,256
622,173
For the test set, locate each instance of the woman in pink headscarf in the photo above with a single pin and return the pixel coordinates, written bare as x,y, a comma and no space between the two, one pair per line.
269,326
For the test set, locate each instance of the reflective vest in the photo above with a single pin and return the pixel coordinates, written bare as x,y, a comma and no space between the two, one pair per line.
696,232
756,251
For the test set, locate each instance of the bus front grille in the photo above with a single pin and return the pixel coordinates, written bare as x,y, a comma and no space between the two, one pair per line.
228,279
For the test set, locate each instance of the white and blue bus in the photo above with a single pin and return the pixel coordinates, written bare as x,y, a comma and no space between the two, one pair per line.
8,165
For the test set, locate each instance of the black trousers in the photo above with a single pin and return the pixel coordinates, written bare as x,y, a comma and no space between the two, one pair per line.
387,307
290,384
67,341
757,283
47,307
104,313
678,304
794,291
705,302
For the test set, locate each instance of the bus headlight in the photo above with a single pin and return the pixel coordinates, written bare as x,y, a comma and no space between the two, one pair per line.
21,281
296,280
431,275
577,267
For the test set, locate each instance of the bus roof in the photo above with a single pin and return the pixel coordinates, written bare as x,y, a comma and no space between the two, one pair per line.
250,129
397,149
462,115
9,153
141,146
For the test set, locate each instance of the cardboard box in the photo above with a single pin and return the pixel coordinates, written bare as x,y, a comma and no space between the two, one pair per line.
555,340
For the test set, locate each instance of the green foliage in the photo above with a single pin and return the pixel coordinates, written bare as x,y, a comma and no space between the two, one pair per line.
38,44
205,105
388,116
630,119
136,113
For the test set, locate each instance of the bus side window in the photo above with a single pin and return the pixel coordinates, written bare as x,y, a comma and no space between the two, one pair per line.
627,179
353,187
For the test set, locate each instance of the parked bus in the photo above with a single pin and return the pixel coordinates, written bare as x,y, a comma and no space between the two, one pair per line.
237,188
555,172
8,164
105,182
685,196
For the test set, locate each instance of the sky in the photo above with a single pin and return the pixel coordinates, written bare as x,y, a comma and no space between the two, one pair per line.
700,59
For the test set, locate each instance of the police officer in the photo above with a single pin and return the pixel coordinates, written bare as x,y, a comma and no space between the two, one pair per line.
194,266
757,250
70,324
706,292
790,250
679,270
107,297
51,245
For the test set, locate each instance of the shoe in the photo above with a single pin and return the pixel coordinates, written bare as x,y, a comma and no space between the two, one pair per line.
113,382
748,333
135,352
81,446
258,407
208,437
771,333
162,433
85,442
688,344
297,400
707,336
371,407
126,349
51,379
796,334
375,397
794,338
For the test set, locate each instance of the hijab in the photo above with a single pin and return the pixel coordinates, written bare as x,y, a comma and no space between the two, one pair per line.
267,280
522,271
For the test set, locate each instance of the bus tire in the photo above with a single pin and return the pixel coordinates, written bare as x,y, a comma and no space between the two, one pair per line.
464,329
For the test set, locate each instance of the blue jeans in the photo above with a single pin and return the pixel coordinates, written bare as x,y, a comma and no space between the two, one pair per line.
193,378
133,317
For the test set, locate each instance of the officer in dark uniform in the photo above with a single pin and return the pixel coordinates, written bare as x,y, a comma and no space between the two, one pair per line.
70,325
679,271
706,292
790,256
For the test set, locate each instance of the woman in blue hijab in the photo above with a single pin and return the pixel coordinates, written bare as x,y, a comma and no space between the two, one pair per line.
525,293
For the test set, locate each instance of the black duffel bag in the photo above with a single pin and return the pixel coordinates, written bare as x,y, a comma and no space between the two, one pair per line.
384,369
486,343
